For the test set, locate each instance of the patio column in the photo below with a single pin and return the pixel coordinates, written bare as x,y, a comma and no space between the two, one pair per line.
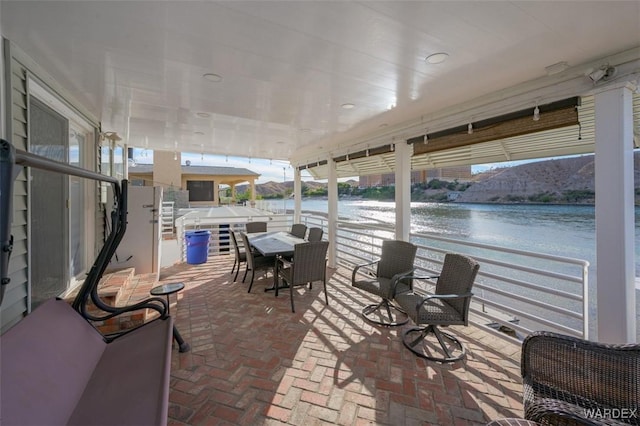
297,195
615,215
403,190
252,185
233,194
332,195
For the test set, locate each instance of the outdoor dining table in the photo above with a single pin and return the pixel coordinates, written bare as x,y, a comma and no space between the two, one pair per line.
274,243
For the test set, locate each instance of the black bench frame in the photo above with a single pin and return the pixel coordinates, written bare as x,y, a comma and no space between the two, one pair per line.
10,158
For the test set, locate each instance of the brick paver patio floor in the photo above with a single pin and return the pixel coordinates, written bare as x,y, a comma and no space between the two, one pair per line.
254,362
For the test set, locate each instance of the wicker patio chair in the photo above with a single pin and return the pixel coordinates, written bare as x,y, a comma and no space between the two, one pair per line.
253,227
309,264
448,306
396,260
298,230
315,234
256,262
240,256
571,381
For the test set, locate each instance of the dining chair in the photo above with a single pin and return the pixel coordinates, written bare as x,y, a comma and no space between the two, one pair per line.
309,264
240,256
396,260
298,230
315,234
256,261
253,227
448,305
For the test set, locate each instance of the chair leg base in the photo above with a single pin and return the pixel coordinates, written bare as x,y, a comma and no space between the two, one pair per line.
414,340
376,314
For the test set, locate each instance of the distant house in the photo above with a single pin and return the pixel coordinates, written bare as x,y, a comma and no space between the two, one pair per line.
201,182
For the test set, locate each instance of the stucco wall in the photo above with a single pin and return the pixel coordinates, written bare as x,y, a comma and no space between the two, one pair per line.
166,170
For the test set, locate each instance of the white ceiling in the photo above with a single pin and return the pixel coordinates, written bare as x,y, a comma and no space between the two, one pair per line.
287,67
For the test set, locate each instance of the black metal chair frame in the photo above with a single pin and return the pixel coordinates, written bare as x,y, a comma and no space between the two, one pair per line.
437,309
386,303
240,257
9,158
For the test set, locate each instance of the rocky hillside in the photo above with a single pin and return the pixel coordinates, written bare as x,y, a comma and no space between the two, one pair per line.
559,180
565,180
277,188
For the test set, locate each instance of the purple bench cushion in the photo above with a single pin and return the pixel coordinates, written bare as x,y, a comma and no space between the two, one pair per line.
130,385
55,368
45,362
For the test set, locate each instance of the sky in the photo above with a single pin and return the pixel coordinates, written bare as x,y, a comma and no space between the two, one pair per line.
272,171
269,170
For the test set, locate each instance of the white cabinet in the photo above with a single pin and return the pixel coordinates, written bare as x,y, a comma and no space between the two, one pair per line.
140,246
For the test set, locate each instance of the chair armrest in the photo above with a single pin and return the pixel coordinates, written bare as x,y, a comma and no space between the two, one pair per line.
402,276
410,278
428,297
357,267
549,411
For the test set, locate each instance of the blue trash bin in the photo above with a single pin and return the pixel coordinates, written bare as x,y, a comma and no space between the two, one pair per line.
197,246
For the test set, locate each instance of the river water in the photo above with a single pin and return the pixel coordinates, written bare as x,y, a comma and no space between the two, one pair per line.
561,230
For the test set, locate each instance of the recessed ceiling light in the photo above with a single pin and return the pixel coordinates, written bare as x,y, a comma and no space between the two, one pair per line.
215,78
437,58
348,106
198,133
203,114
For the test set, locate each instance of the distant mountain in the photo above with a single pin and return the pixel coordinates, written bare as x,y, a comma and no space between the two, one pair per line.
559,180
277,188
564,180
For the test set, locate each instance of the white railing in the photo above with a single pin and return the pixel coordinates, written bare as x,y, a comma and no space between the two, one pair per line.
167,217
516,291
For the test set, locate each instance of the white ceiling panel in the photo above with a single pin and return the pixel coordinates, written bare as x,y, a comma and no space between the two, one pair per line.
288,67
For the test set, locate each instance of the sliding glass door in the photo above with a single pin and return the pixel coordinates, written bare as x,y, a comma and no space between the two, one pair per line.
48,137
62,223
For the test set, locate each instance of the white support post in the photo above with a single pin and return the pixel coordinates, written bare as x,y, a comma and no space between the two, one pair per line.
297,195
403,190
332,195
615,229
252,186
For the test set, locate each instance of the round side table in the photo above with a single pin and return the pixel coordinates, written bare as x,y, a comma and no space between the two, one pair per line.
166,290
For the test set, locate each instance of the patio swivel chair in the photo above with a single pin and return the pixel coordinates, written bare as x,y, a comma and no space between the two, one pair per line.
448,306
253,227
298,230
571,381
396,261
309,264
315,234
240,256
256,261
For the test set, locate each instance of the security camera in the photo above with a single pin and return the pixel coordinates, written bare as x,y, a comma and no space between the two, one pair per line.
605,73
